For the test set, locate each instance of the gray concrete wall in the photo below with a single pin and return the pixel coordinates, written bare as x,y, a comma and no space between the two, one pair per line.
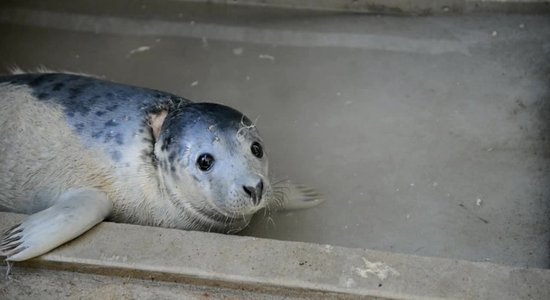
416,7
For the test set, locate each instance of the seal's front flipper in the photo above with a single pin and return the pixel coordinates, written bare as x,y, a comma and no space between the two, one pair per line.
74,213
289,196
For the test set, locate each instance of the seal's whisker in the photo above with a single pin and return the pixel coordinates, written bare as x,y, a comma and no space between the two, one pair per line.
281,187
255,123
278,182
243,127
280,198
9,266
210,228
228,220
270,220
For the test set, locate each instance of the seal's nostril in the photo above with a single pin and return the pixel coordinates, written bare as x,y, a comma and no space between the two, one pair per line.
260,189
248,190
255,193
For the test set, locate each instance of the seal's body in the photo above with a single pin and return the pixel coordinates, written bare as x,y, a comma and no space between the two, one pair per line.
75,150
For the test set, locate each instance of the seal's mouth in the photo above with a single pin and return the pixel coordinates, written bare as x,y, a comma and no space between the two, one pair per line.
245,211
217,220
244,200
222,211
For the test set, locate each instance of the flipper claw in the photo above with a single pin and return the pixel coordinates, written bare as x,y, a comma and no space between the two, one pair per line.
75,212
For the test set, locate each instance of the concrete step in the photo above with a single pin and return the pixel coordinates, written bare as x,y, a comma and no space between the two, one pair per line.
121,259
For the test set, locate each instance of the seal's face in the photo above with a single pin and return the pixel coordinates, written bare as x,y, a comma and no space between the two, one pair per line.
212,161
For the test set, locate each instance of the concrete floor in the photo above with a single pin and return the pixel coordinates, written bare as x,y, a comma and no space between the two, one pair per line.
427,135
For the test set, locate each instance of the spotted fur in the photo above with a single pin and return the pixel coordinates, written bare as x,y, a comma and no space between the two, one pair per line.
86,149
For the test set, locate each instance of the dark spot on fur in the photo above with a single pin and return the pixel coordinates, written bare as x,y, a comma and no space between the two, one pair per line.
172,168
140,130
111,123
116,155
172,157
75,92
73,106
43,96
112,107
70,114
108,137
18,80
58,86
79,127
37,81
84,110
97,134
119,138
100,113
74,102
166,143
94,98
109,95
196,178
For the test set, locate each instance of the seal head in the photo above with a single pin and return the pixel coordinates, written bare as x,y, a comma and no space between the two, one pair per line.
212,163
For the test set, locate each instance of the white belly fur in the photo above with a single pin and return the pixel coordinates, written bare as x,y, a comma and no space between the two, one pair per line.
40,156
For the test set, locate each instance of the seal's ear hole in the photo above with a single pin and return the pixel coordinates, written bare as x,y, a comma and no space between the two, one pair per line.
155,121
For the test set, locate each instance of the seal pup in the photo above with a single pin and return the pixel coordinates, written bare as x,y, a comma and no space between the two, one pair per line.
77,150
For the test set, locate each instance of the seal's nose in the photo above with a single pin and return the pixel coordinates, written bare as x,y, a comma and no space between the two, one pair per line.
256,192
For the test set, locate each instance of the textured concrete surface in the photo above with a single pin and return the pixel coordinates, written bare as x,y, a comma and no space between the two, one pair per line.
44,284
264,267
427,135
401,7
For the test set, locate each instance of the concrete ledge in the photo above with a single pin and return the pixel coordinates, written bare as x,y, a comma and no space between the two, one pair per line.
44,284
277,267
399,7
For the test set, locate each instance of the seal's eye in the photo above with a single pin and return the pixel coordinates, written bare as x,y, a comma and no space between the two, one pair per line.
257,150
205,162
